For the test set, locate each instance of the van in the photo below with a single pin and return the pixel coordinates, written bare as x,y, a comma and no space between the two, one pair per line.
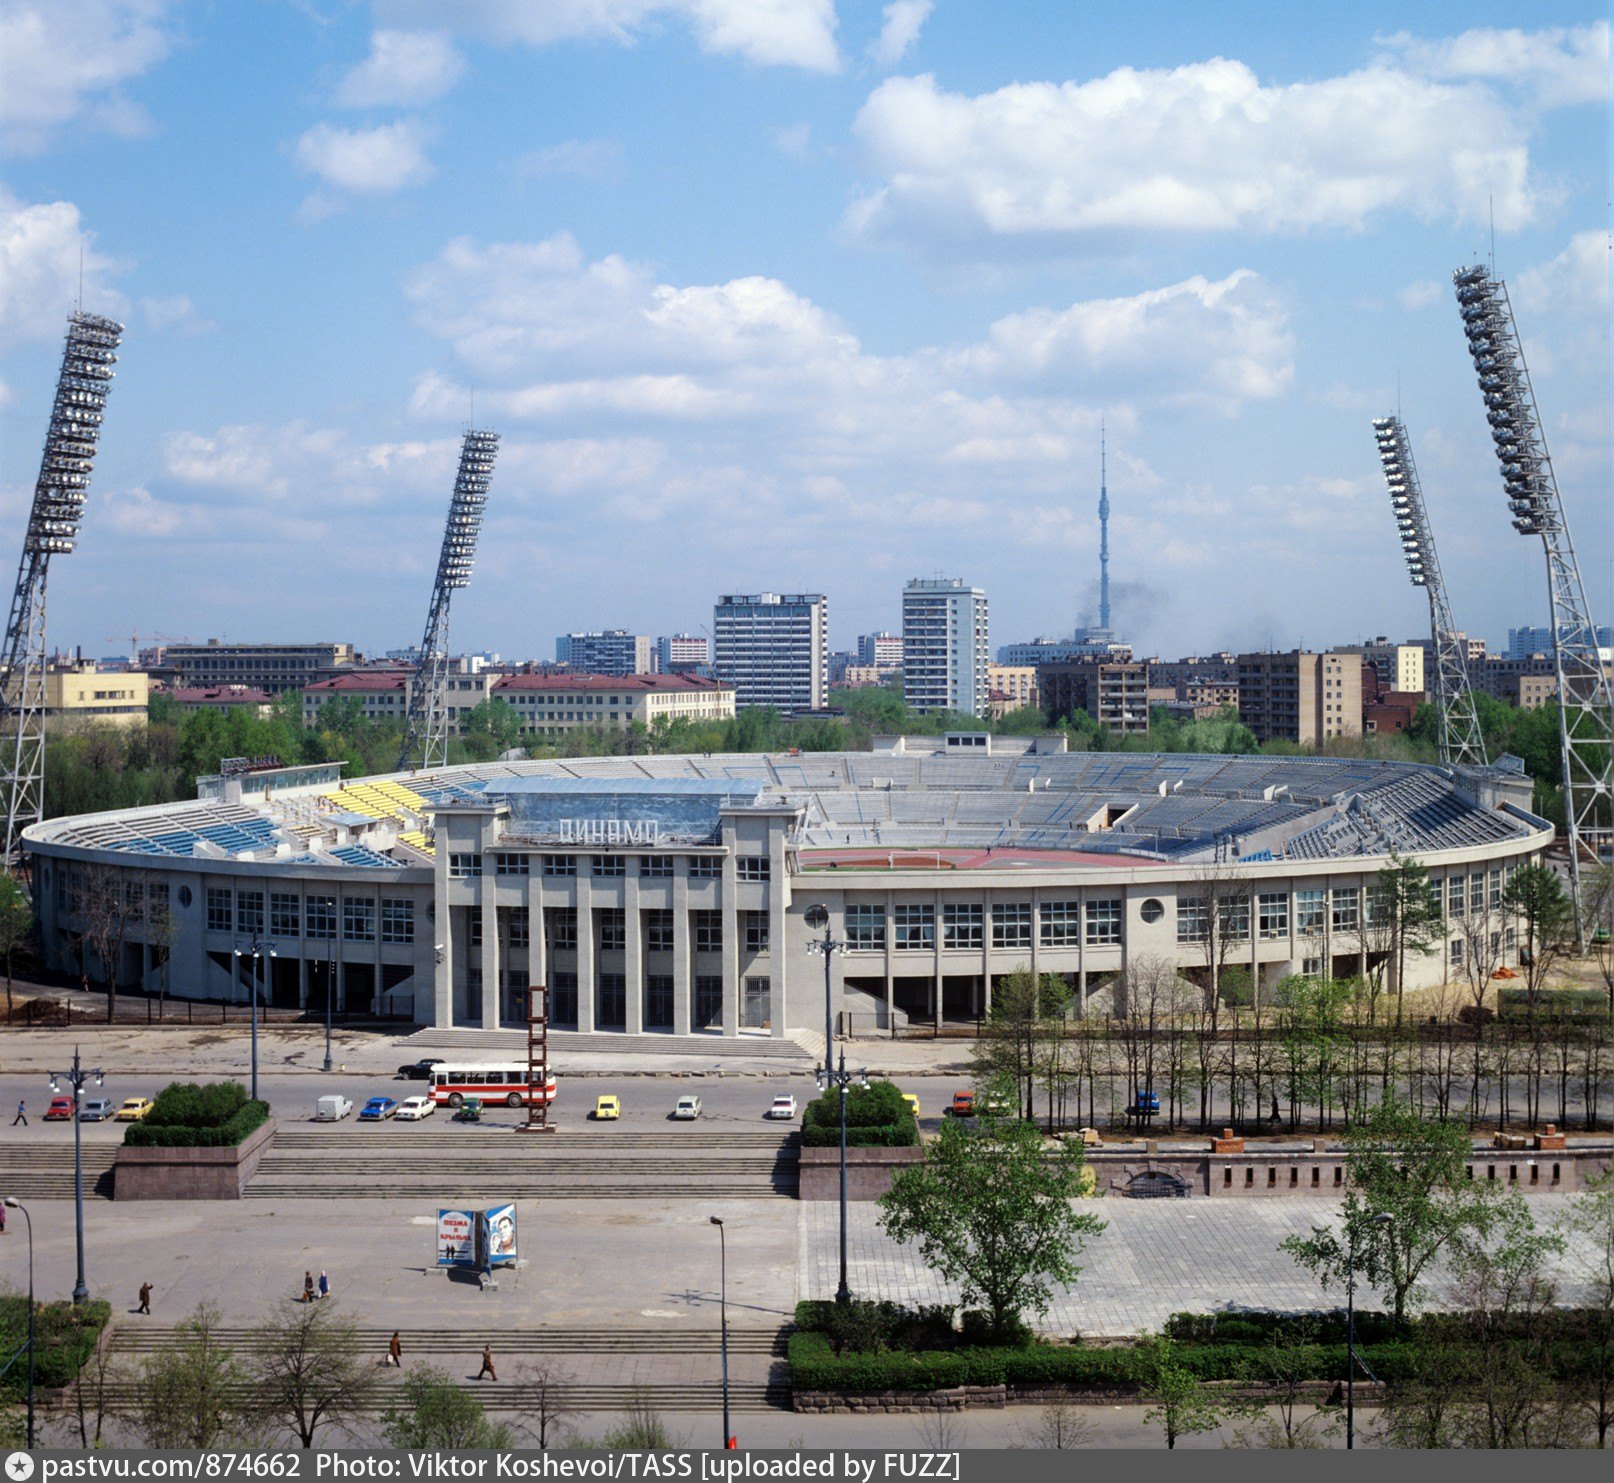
332,1109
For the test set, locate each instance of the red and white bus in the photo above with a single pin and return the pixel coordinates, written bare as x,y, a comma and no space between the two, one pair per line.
494,1082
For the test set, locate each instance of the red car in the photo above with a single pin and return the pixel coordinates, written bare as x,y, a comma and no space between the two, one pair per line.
962,1105
60,1110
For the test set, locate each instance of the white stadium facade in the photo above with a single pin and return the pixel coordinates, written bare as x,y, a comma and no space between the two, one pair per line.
671,893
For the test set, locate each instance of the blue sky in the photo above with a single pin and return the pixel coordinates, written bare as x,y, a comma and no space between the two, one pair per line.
797,295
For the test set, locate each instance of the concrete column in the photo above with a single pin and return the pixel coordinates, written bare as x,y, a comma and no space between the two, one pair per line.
633,958
537,938
778,958
890,966
682,972
488,905
731,942
587,974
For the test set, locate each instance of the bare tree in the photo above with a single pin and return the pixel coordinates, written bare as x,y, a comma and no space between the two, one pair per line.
543,1390
308,1370
108,908
16,924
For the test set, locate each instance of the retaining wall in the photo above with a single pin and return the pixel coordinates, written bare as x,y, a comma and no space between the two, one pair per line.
189,1173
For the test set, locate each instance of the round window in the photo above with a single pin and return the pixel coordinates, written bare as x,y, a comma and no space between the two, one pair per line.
184,895
1152,910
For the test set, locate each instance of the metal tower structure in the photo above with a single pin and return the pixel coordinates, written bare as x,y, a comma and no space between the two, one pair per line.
53,526
1460,739
1103,534
425,742
1585,696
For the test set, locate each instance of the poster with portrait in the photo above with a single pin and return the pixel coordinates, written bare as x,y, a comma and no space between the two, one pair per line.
501,1221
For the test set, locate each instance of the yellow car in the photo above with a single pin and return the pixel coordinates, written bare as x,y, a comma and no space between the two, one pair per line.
607,1109
133,1109
913,1103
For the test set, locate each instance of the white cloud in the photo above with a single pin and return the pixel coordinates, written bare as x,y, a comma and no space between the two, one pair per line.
1421,295
62,59
404,70
584,159
1204,148
795,140
176,313
1560,66
903,19
40,252
787,33
1574,283
366,161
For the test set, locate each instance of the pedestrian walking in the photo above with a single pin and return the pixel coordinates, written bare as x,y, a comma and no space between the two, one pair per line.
308,1287
324,1284
22,1115
487,1364
2,1218
145,1298
395,1351
1276,1115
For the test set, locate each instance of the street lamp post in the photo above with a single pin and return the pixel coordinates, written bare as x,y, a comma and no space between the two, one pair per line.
723,1259
844,1080
78,1078
12,1203
1380,1219
827,947
254,980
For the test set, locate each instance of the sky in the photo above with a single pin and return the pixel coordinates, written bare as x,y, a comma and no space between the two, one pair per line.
798,295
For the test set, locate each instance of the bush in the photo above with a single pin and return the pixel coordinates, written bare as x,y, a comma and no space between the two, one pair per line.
64,1338
870,1327
185,1115
1553,1004
876,1117
976,1328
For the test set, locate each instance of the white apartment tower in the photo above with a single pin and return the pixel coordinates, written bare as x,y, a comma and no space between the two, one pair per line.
773,648
944,645
683,654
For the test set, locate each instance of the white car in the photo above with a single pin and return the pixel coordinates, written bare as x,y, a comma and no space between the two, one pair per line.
687,1110
783,1108
412,1109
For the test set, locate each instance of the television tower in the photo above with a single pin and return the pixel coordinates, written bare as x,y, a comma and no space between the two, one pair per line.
53,526
1460,740
1103,534
1585,695
425,742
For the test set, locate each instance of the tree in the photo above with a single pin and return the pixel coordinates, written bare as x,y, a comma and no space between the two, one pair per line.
437,1413
16,923
1060,1427
1023,1003
1590,1229
1288,1366
308,1371
1597,913
1546,916
1182,1405
991,1210
543,1390
1404,918
643,1430
496,721
194,1393
1414,1171
108,907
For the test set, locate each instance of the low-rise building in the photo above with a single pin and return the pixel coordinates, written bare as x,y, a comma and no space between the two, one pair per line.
221,698
383,695
1017,682
79,692
552,705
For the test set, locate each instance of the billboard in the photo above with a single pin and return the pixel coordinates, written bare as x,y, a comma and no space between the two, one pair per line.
501,1235
456,1234
477,1238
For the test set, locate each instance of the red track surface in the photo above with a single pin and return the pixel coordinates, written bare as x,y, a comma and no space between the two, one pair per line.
956,859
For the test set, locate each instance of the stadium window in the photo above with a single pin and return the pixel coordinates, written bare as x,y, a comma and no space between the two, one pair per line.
752,867
655,867
708,1004
560,929
285,914
613,934
658,1001
1103,923
708,931
706,867
1309,914
1345,909
249,912
610,866
914,927
1456,896
963,926
319,917
1011,924
220,916
756,931
1272,908
1193,919
397,919
1061,923
512,864
865,926
464,867
358,920
658,931
1233,918
517,932
558,865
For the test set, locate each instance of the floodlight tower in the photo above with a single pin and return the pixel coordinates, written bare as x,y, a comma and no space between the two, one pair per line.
425,740
53,526
1460,740
1585,696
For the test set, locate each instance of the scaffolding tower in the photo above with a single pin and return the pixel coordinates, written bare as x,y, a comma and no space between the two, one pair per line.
425,742
1459,738
53,526
1585,696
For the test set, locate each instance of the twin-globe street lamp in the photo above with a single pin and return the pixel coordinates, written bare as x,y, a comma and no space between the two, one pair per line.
723,1257
256,951
78,1077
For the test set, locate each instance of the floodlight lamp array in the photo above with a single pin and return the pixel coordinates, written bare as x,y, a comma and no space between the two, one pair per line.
465,509
75,427
1409,523
1493,345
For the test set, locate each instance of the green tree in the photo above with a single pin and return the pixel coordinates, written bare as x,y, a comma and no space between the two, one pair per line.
1415,1172
1182,1404
1023,1004
991,1210
437,1413
495,720
1546,921
194,1392
308,1370
1401,919
1590,1231
16,923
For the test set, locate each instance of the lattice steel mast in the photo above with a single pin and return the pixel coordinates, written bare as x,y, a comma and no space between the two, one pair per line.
425,740
1460,739
1585,697
53,526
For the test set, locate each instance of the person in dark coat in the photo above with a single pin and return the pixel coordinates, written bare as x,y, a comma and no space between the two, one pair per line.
22,1115
308,1287
395,1351
145,1298
487,1364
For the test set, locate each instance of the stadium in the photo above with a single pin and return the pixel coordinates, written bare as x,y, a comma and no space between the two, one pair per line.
672,894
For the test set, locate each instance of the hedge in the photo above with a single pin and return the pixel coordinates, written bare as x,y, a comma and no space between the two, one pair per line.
185,1115
1553,1004
876,1117
64,1338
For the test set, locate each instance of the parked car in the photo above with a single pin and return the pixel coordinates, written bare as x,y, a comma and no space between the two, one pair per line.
412,1109
134,1108
332,1109
962,1105
420,1070
96,1110
913,1103
783,1108
687,1110
60,1110
992,1106
607,1109
378,1108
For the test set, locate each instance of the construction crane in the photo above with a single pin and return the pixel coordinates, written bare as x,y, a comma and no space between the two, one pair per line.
1585,695
1459,740
53,526
425,742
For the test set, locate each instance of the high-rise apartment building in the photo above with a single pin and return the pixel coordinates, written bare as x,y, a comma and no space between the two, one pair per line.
614,652
1523,642
773,648
945,653
1116,695
1398,666
1300,696
881,650
683,654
